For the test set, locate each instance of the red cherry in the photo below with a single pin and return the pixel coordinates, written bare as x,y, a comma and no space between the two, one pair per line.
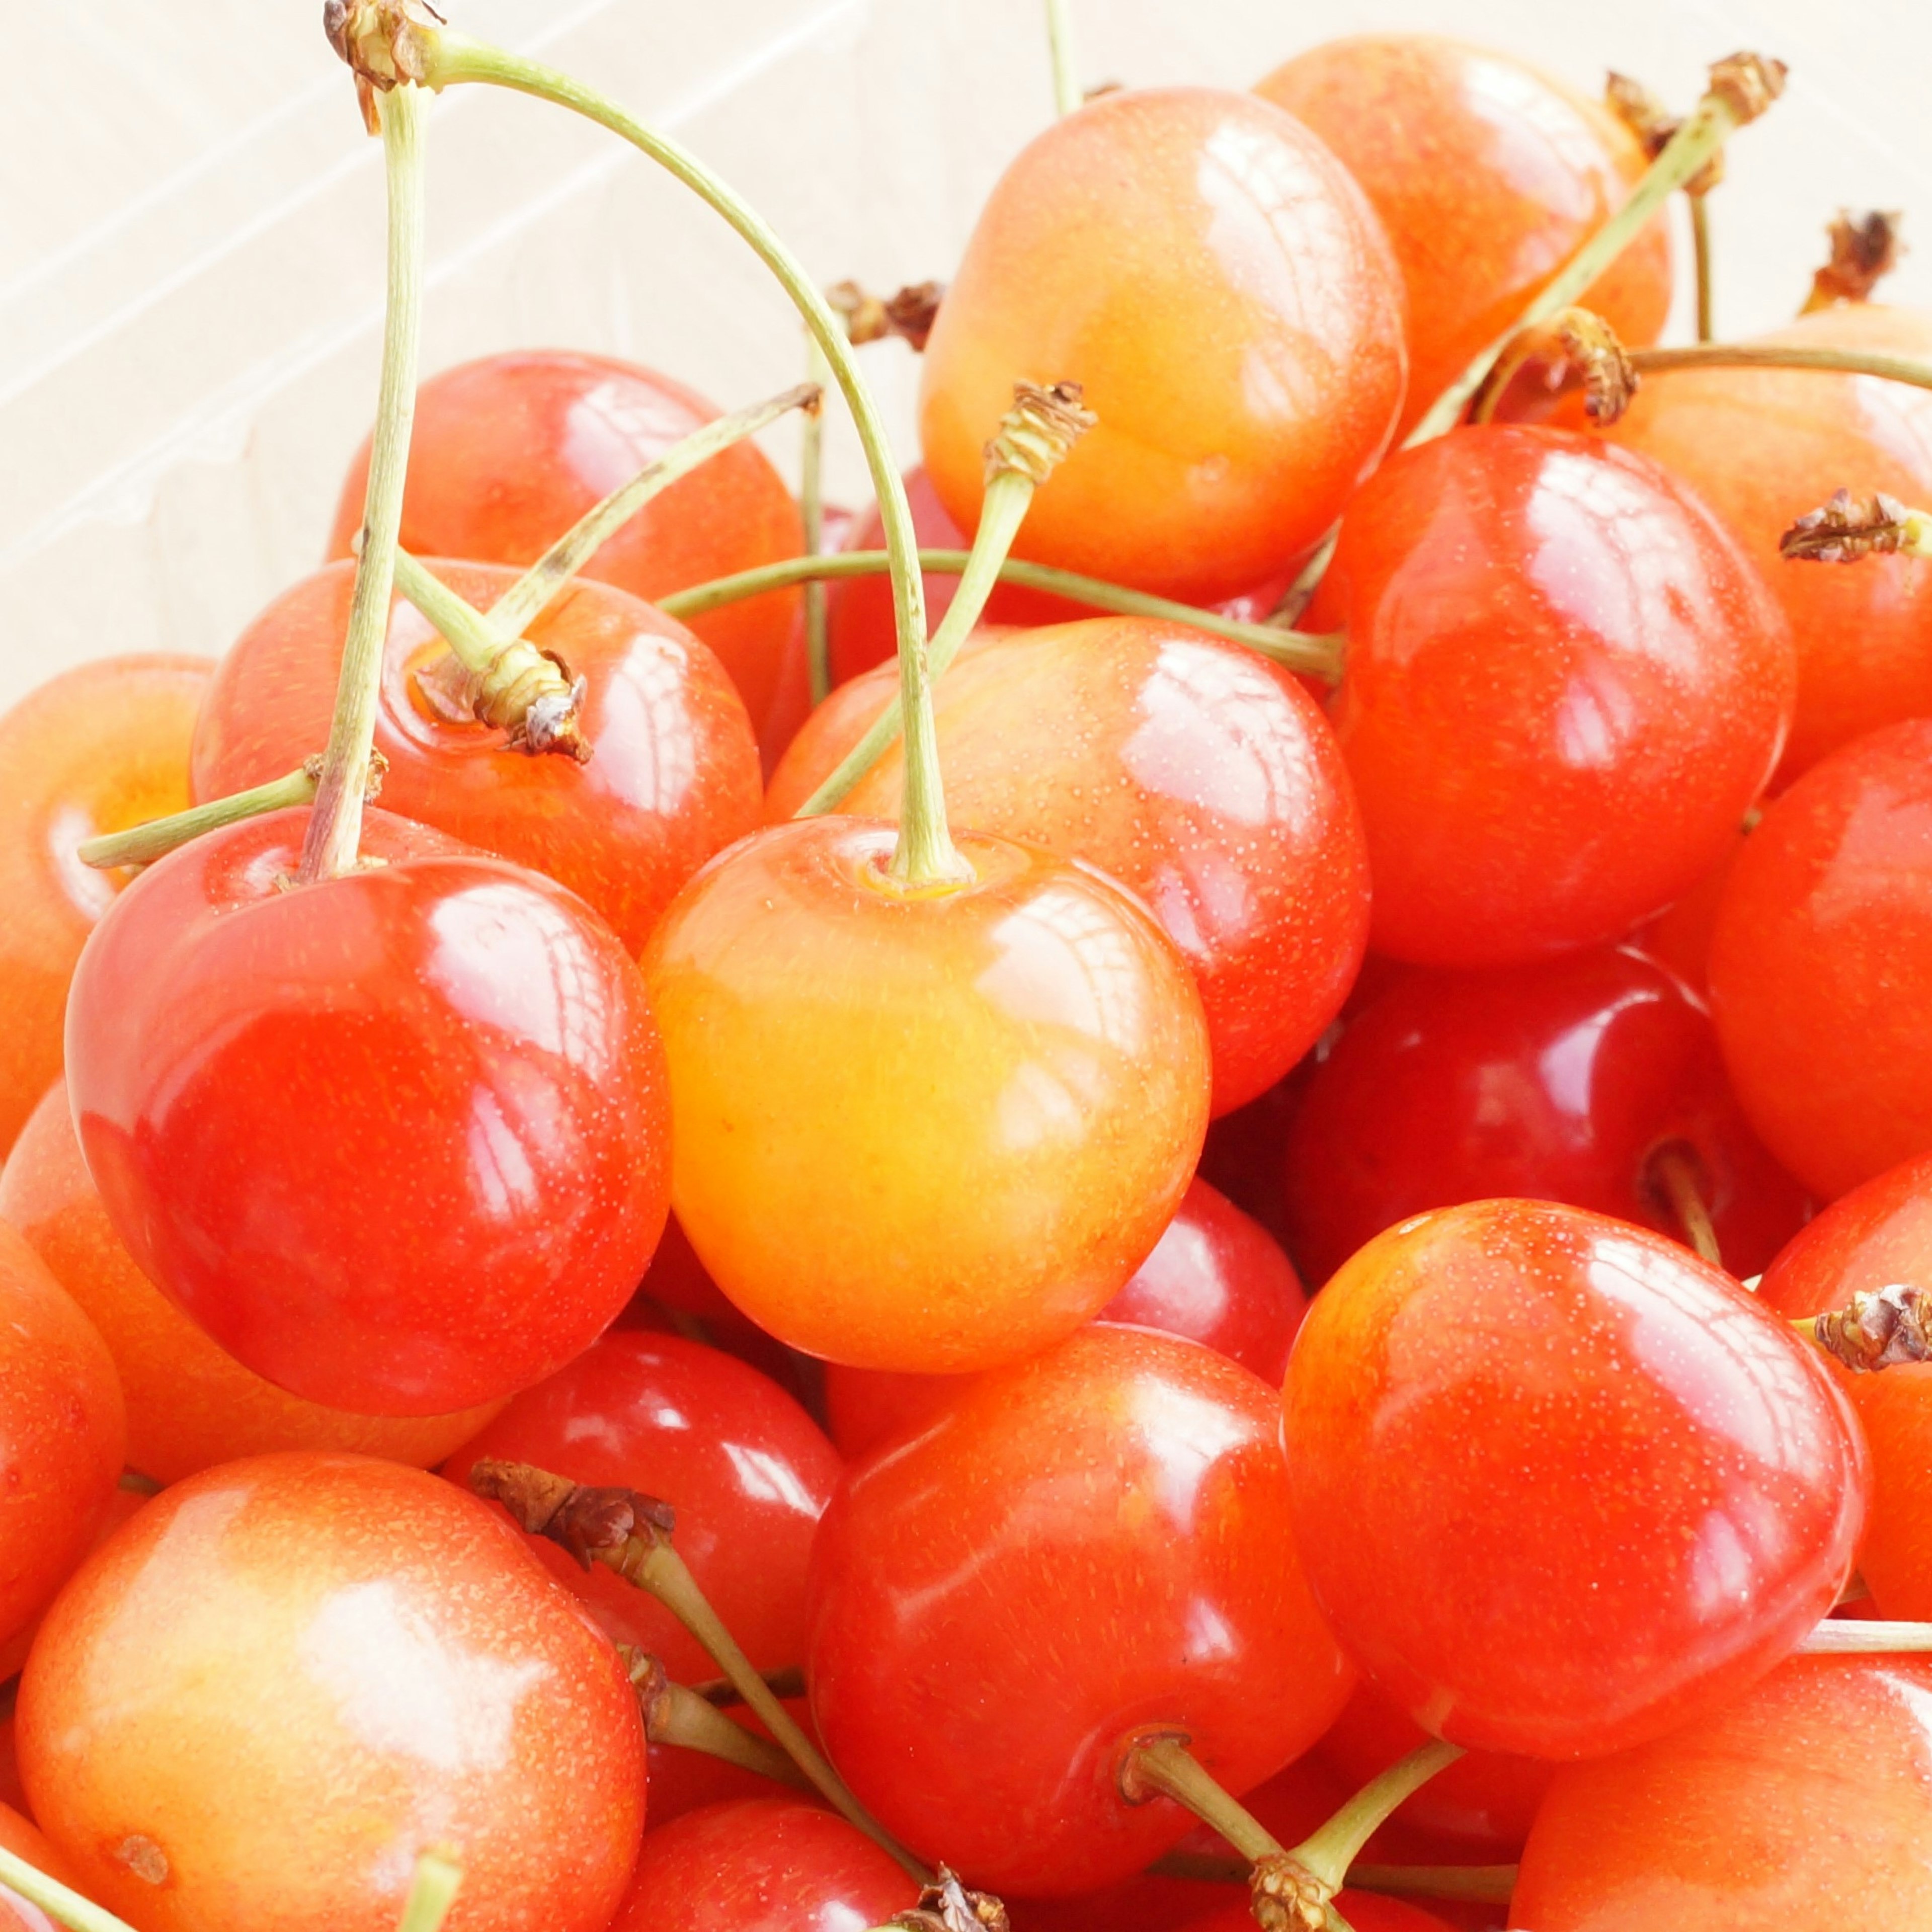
672,777
1559,1486
1556,1081
1679,938
509,450
397,1140
1118,1506
1565,685
1821,963
746,1469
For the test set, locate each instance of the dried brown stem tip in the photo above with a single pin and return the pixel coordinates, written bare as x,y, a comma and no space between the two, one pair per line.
1848,527
382,42
1878,1331
1286,1896
1036,434
947,1906
528,694
908,314
1654,124
595,1525
1586,346
1747,84
1865,249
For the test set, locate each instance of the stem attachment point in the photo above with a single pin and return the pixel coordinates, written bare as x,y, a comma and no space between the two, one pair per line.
1847,528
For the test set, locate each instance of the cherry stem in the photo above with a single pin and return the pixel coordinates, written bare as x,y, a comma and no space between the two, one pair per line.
1889,1327
1573,339
1843,1636
675,1714
65,1907
1161,1763
1485,1885
1067,94
1299,594
143,844
1674,1169
811,511
1847,528
1299,651
1864,250
335,824
1329,1852
1781,356
1741,87
1700,249
789,1682
432,1892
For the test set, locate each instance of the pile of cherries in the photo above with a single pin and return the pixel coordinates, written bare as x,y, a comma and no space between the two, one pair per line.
498,1330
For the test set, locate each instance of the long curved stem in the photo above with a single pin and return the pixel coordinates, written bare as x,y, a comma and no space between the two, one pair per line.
1066,95
64,1906
1854,1636
812,512
432,1892
1700,246
1781,356
1329,1852
143,844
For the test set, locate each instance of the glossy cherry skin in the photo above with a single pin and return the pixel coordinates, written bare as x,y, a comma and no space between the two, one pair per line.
63,1431
96,749
1821,963
509,450
397,1140
1487,177
1210,274
1555,1081
1807,1802
190,1403
931,1130
1118,1506
748,1471
371,1658
1565,685
1617,1490
673,777
1201,776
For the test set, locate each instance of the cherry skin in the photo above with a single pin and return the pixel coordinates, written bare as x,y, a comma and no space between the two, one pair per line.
190,1403
508,452
1213,277
1191,770
1118,1505
396,1140
1805,1802
1821,963
1487,177
1679,938
1565,685
1555,1081
96,749
748,1471
371,1658
1498,1404
672,777
933,1129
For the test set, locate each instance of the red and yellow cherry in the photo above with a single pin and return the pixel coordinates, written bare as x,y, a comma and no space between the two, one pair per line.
1192,770
508,452
190,1403
396,1140
747,1470
1804,1803
1616,1490
933,1128
1119,1505
763,1864
1487,177
1565,685
1821,963
673,773
95,750
371,1657
1212,276
1558,1082
63,1433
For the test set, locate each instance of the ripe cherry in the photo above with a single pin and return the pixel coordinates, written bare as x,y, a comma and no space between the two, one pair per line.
1562,1081
1614,1490
95,750
190,1403
931,1128
397,1140
508,452
673,775
1565,685
371,1657
1821,963
1119,1505
1210,275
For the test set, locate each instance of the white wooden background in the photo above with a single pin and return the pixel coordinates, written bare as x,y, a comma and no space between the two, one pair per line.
191,248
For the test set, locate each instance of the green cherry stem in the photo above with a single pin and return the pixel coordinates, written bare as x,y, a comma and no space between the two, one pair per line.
1033,439
1700,249
1160,1763
1067,96
1850,1636
812,512
1483,1885
673,1714
1299,594
1329,1852
143,844
1672,1170
64,1906
1781,355
432,1892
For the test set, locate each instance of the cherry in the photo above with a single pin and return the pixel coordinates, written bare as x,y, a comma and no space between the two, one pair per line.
673,775
1565,686
1487,177
509,450
1679,938
1615,1490
747,1470
190,1404
1561,1081
397,1140
1821,963
371,1658
1803,1803
1118,1506
1192,770
96,749
763,1865
1214,279
928,1129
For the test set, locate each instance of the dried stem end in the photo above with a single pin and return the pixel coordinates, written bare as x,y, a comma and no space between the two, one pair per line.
528,694
1584,345
909,313
1036,435
1654,124
1848,527
1878,1331
1865,249
1747,84
947,1906
596,1525
382,42
1286,1896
